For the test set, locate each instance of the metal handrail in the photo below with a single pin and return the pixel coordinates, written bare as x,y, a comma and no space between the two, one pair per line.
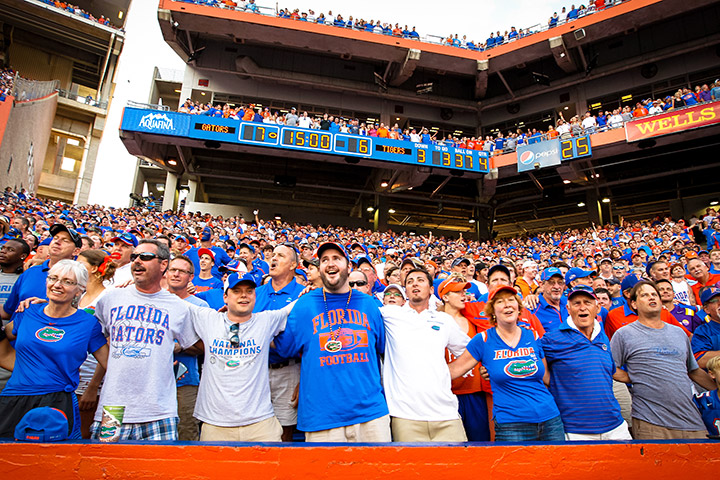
148,106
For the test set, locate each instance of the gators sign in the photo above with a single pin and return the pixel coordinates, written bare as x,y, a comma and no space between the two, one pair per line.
675,121
50,334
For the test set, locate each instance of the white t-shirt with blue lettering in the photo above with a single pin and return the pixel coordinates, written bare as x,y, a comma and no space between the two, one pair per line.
141,329
235,388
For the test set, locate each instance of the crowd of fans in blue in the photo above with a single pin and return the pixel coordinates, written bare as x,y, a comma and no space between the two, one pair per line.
551,336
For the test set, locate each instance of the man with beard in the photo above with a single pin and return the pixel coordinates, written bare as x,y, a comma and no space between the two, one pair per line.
340,336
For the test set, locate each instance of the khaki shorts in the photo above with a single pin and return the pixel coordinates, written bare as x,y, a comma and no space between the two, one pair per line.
268,430
282,386
643,430
404,430
377,430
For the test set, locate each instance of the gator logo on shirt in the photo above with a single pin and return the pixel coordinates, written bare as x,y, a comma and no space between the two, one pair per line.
50,334
521,368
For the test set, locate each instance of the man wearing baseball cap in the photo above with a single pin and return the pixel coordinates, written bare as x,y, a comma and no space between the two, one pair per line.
706,339
551,309
340,337
65,245
123,246
204,279
578,276
220,256
233,399
581,372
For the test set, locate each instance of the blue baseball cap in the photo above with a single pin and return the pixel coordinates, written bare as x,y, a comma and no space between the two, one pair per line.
708,294
301,272
236,279
74,236
581,289
575,273
550,272
43,424
246,245
361,258
630,281
127,238
331,245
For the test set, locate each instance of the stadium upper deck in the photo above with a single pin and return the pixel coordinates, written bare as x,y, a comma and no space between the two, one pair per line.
638,49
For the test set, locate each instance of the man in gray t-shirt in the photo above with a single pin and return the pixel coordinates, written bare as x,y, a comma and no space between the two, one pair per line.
291,119
661,367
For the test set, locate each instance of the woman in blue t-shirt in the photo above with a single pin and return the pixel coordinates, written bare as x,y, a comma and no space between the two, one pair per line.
523,410
51,342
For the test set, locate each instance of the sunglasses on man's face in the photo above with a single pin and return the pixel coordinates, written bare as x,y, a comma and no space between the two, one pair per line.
145,256
359,283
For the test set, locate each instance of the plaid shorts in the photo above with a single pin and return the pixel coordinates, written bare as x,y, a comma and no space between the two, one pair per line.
159,430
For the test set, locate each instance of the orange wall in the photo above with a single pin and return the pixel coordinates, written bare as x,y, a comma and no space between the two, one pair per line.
656,461
5,108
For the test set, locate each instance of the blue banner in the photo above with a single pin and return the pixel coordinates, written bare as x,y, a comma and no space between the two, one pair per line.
538,155
293,138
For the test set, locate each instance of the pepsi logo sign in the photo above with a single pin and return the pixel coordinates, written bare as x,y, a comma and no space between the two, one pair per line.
527,157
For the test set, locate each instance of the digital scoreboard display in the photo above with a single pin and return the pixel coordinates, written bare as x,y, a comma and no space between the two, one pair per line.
320,141
576,147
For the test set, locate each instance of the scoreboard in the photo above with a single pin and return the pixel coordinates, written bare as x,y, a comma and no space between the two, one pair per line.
302,139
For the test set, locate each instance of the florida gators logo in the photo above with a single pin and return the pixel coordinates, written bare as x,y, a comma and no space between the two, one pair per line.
527,157
521,368
50,334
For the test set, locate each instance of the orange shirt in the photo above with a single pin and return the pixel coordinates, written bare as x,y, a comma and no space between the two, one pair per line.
471,382
620,316
382,132
696,285
474,311
525,288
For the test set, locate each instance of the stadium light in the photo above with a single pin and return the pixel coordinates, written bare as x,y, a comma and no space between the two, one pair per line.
581,204
384,184
472,220
172,162
370,209
714,202
278,216
606,200
566,181
391,210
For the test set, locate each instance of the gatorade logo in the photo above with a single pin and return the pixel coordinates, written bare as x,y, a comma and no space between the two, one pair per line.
521,368
527,157
50,334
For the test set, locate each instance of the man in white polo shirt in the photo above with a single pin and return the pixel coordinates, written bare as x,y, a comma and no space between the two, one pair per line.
415,374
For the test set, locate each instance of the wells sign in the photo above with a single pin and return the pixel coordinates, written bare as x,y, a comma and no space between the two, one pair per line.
673,122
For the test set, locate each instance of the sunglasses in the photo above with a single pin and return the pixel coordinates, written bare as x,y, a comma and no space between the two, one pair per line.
359,283
393,294
145,256
234,338
618,268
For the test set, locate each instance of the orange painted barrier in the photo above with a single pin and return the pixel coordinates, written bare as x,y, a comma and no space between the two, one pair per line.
613,461
5,108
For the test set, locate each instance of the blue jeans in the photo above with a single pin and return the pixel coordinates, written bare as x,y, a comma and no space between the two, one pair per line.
551,430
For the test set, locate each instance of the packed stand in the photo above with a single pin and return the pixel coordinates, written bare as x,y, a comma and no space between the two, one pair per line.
7,78
559,323
396,30
74,9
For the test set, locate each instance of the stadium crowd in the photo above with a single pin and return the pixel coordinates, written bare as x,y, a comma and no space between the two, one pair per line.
7,79
74,9
387,28
247,330
497,143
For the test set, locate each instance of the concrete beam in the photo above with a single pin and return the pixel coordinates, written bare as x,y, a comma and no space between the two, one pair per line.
405,71
562,55
481,78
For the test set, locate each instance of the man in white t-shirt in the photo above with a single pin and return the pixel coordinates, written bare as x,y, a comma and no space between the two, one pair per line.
415,374
234,398
142,323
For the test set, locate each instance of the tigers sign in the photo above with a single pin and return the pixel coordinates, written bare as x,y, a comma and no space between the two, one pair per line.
673,122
